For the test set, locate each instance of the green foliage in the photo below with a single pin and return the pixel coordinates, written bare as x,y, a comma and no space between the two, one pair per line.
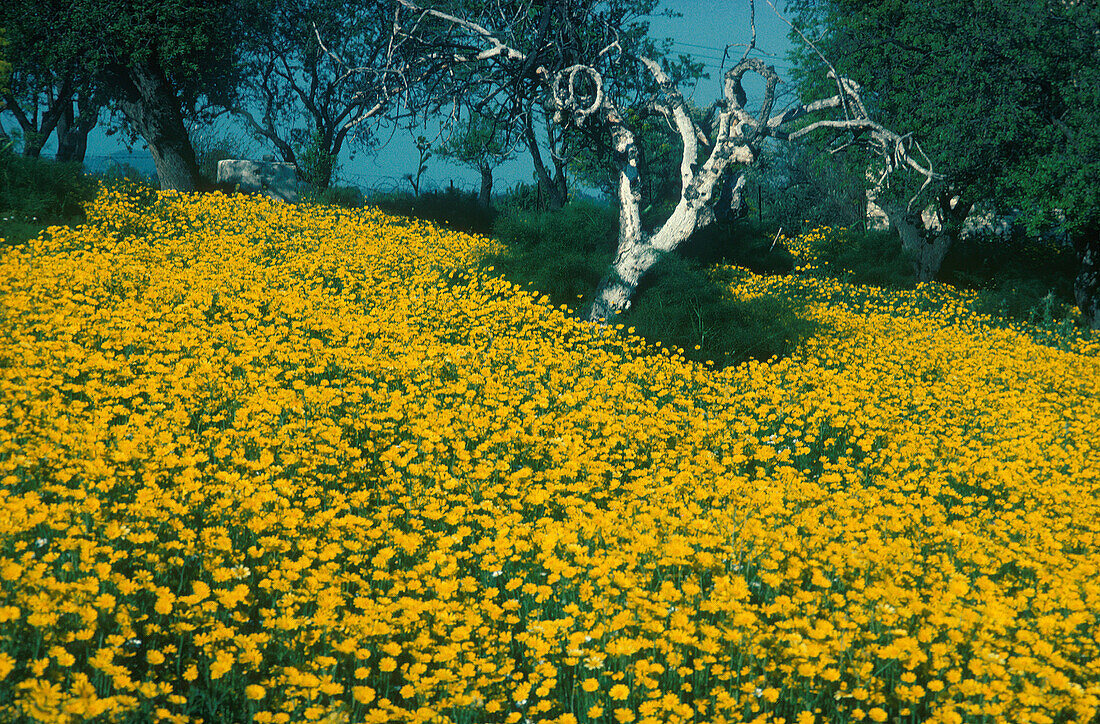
316,163
524,197
5,66
798,187
565,255
451,207
874,257
478,142
36,193
741,243
1004,97
350,197
1018,278
682,306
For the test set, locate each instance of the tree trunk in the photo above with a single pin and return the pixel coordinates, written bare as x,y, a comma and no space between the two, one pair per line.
35,133
485,198
926,241
151,104
546,185
925,249
731,203
72,132
1086,287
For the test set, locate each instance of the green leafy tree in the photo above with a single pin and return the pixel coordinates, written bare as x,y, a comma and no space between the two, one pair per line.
5,66
41,84
297,94
160,63
1003,97
483,144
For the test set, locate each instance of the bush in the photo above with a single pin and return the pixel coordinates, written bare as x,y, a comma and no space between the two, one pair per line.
1017,278
36,188
350,197
872,257
563,254
741,243
681,305
451,207
36,193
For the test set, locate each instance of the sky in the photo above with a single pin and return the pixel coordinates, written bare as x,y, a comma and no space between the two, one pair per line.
703,30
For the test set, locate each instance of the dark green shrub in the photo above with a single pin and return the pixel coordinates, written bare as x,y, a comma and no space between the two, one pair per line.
581,225
451,207
350,197
521,197
1017,278
742,243
562,254
36,193
36,189
684,306
873,257
982,260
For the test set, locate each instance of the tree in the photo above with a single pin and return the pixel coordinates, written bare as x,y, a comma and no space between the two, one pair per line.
578,81
511,93
5,65
78,118
159,63
1003,96
481,143
297,93
40,85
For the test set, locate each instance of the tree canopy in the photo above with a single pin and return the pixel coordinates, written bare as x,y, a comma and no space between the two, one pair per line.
160,63
1003,96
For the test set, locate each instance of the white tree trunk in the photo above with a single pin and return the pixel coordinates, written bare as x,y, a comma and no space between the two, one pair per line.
639,252
578,94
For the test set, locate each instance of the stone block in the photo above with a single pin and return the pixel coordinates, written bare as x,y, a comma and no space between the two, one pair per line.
276,180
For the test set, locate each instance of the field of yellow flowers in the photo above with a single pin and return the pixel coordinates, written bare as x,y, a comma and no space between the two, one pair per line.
270,463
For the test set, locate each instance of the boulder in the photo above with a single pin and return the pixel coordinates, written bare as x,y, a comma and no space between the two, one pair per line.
276,180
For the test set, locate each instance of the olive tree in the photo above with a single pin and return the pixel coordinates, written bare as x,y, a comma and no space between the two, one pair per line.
1004,96
576,81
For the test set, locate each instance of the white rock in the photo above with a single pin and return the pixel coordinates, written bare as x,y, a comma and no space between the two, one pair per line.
276,180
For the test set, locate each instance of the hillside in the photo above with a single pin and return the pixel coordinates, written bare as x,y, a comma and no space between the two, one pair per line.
270,463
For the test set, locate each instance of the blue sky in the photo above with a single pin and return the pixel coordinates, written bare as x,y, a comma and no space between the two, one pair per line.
703,30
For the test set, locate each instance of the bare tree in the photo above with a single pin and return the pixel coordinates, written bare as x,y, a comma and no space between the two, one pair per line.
576,89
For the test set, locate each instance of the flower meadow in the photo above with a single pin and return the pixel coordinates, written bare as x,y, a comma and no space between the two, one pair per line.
270,463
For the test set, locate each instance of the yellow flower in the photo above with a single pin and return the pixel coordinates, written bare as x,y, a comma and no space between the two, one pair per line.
255,692
590,685
877,714
619,692
10,570
594,712
363,694
624,716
